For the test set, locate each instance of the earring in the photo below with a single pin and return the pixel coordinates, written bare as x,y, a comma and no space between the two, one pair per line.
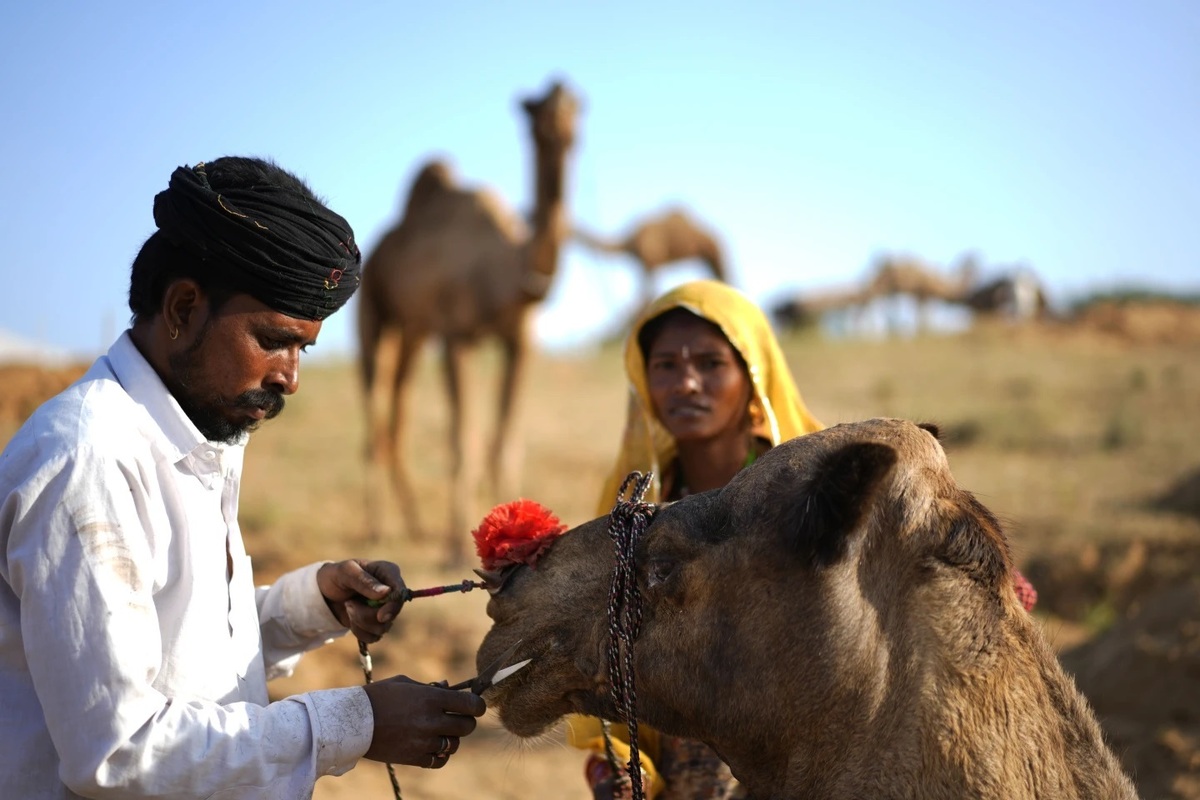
174,334
756,414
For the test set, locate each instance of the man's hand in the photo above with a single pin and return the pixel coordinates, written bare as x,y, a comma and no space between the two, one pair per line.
419,724
347,585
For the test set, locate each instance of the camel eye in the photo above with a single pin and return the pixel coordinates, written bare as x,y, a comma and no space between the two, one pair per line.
659,571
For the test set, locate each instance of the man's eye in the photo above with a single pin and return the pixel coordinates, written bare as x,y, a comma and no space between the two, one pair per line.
268,343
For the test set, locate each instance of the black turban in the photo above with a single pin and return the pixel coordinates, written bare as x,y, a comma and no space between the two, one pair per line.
275,243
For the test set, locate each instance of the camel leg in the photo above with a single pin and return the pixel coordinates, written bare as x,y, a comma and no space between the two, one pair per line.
504,462
371,335
410,347
464,460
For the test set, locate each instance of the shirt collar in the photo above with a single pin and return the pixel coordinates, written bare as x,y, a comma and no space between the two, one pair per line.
181,437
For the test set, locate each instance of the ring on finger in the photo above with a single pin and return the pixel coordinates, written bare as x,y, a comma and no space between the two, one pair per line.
446,744
432,760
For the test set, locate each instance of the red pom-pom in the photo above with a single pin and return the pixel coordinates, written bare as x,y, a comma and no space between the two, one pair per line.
515,533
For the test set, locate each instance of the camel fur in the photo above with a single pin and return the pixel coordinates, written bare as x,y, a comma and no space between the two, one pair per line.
838,622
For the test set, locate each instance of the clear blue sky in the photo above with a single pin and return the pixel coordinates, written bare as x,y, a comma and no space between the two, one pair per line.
811,135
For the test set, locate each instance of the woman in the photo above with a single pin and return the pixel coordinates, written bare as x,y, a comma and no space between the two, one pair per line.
710,392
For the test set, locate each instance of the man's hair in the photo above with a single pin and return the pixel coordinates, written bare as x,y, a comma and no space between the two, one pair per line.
160,261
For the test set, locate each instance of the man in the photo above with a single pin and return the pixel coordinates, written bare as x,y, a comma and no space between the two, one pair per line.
134,647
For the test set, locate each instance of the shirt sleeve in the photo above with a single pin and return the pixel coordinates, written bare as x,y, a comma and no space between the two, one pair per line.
294,618
80,563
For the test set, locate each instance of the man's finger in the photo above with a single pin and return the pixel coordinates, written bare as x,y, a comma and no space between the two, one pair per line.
468,703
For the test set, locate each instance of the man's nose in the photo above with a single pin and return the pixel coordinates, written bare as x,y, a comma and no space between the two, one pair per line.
285,377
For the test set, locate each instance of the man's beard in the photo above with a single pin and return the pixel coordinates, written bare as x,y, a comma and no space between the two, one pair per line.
206,408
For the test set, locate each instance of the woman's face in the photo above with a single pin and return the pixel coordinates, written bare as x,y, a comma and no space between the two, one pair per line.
698,386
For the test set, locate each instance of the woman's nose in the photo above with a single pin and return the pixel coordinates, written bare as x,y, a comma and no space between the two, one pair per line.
689,379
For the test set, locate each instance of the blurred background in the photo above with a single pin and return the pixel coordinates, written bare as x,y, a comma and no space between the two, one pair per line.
979,216
811,136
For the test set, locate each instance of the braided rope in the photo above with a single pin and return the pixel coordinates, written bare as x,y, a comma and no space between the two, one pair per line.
364,658
627,522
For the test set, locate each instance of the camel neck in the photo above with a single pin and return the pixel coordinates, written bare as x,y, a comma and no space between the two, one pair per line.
549,225
549,180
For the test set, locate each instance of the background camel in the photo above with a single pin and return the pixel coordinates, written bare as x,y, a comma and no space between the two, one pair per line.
458,266
1017,295
838,622
662,239
807,310
894,276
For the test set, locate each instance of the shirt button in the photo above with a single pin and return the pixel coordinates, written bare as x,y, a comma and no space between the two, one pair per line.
209,455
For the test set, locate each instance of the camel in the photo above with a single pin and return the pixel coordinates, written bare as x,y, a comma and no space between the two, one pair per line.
1017,296
896,275
662,239
808,309
840,621
459,266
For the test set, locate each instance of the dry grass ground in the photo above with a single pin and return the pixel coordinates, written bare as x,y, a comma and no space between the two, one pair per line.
1069,438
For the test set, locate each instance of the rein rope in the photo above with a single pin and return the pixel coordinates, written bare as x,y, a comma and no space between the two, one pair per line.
627,522
364,655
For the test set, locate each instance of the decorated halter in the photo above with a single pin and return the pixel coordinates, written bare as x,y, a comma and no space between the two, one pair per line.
511,534
515,533
627,522
519,533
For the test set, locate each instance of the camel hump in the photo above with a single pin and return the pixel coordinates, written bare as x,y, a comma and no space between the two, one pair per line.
434,178
680,223
438,205
673,235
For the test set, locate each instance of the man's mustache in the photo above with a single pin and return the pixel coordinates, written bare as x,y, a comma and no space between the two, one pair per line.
271,402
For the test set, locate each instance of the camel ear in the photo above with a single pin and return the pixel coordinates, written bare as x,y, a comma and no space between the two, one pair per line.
494,580
834,501
933,429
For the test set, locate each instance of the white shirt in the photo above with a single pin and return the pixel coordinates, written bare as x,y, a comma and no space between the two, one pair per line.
129,665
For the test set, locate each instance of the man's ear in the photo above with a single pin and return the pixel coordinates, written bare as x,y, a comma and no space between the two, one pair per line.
182,300
825,508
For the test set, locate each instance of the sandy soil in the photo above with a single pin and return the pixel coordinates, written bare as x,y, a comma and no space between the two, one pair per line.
1083,437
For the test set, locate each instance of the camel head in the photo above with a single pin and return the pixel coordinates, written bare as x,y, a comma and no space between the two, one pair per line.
791,539
784,577
807,619
553,118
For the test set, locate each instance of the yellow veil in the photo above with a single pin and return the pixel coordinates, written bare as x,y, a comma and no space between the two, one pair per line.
647,445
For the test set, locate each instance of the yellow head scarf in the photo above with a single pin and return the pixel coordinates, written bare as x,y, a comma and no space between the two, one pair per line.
646,444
